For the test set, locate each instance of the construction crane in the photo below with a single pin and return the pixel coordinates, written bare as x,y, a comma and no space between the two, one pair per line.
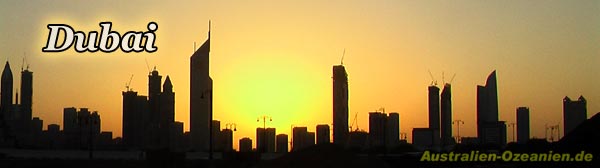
342,60
354,122
128,84
433,81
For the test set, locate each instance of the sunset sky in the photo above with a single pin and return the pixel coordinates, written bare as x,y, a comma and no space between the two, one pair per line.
275,57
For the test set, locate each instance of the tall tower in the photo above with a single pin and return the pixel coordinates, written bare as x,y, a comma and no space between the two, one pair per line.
6,92
574,113
340,105
446,115
26,93
153,120
434,112
167,112
489,129
522,125
201,93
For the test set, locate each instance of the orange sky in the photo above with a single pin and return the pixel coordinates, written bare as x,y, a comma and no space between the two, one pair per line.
274,57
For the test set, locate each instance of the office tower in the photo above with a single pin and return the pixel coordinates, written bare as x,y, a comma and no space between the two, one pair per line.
574,113
167,112
25,106
434,113
37,125
299,138
201,93
340,105
446,116
323,134
522,125
135,110
393,130
265,140
226,139
6,92
71,127
152,129
489,129
377,130
282,143
245,144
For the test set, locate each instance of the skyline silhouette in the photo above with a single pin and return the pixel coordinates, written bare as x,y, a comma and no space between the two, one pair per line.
283,74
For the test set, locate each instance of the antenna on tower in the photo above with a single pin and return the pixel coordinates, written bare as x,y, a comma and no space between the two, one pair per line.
23,63
452,79
343,54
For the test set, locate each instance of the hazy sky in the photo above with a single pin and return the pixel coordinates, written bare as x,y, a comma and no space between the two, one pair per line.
275,57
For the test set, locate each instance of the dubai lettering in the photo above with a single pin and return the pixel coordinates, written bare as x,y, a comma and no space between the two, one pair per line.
106,41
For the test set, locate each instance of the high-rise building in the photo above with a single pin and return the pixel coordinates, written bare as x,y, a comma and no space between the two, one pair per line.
245,144
216,133
176,142
340,105
489,128
323,134
377,129
522,125
226,137
265,140
167,113
6,93
153,132
310,139
299,138
282,143
393,130
25,106
434,113
201,93
574,113
446,115
135,112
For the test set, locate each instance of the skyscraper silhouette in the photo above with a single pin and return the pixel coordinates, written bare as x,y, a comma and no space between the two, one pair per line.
434,113
201,93
323,134
489,129
522,125
153,120
574,113
446,116
340,105
6,92
167,113
25,106
135,110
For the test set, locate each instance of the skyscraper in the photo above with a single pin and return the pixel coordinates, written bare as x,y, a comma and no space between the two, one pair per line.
489,129
26,102
6,92
446,116
377,130
167,112
522,125
265,140
340,105
299,138
393,130
574,113
323,134
201,93
282,143
152,129
135,110
434,113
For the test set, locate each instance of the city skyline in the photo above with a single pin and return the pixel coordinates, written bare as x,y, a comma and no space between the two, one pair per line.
286,77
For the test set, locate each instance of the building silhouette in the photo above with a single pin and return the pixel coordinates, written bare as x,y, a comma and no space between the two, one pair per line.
201,93
282,143
422,138
323,134
574,113
384,130
176,141
489,129
166,114
300,138
265,140
434,113
81,128
135,109
340,105
152,131
6,93
446,116
245,144
226,139
522,125
393,130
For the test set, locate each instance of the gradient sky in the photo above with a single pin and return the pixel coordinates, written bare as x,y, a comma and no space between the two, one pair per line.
275,57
